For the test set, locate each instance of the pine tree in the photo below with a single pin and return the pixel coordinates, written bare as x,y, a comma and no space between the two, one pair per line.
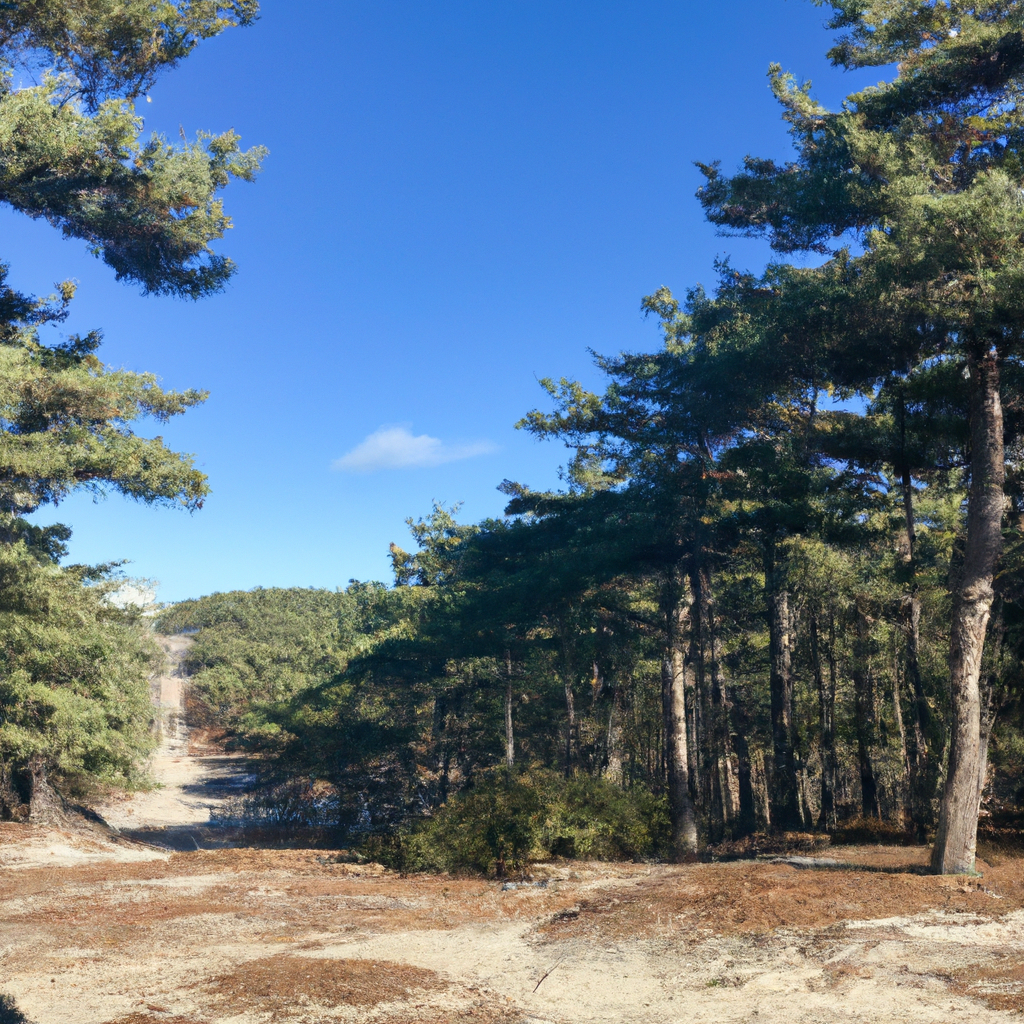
925,172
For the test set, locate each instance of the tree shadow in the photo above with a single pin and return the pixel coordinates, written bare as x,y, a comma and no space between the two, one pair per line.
9,1013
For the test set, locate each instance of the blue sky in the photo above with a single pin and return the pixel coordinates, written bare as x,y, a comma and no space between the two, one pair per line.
460,198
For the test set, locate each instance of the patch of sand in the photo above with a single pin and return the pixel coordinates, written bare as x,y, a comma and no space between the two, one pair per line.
248,937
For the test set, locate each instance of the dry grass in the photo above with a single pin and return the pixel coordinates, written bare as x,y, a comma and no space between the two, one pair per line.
85,923
280,983
741,898
1000,985
152,1018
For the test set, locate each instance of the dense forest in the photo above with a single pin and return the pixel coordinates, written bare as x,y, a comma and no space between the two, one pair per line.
782,589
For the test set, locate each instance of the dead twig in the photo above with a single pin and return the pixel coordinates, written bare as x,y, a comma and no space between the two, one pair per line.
547,972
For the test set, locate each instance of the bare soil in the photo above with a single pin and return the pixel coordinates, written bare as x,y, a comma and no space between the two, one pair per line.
97,930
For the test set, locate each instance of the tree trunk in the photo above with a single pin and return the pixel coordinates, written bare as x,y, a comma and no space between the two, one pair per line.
13,804
746,816
673,695
510,746
613,771
897,707
570,710
864,713
442,754
826,720
923,772
785,804
957,835
923,769
990,705
716,752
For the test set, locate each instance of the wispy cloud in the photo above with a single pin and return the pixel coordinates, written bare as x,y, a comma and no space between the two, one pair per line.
396,447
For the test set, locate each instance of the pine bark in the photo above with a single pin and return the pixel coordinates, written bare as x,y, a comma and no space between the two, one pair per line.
864,714
746,815
510,745
956,839
614,765
826,723
922,774
673,694
785,810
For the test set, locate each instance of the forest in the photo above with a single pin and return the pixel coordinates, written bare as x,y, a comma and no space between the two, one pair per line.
781,590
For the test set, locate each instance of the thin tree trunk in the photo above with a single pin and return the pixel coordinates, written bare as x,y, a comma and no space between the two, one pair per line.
746,817
673,692
510,746
438,731
826,720
785,805
715,746
864,712
901,729
923,768
923,773
613,771
957,836
570,725
570,708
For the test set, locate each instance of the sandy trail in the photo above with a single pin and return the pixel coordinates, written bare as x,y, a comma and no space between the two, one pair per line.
101,932
178,813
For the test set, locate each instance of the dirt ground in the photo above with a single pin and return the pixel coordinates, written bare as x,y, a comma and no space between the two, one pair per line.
97,930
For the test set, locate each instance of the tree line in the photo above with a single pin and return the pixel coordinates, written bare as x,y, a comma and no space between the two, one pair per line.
74,663
799,516
781,588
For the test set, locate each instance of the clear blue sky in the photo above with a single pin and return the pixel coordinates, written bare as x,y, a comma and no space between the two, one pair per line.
461,197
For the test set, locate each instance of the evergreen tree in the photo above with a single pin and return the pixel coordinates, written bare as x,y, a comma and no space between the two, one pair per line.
925,172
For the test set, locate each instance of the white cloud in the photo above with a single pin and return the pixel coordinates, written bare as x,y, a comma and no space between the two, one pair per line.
396,447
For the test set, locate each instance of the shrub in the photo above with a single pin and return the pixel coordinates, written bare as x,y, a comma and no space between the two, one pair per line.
509,819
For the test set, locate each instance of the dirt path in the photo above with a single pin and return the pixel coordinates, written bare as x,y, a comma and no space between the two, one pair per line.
102,932
254,936
191,788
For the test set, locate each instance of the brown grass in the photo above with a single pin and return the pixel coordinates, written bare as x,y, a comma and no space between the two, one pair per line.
1000,985
740,898
484,1013
278,983
152,1018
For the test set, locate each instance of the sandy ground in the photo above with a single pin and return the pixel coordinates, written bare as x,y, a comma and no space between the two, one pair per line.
191,786
98,930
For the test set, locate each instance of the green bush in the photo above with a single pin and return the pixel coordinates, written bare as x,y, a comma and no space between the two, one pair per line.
508,820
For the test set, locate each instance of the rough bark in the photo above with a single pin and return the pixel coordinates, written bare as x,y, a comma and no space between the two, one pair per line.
510,744
716,749
746,814
785,810
442,753
673,694
956,839
613,771
923,770
570,712
864,713
46,805
826,721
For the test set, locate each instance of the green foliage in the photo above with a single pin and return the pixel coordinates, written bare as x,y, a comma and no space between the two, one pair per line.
66,419
254,650
72,150
505,821
74,673
112,47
